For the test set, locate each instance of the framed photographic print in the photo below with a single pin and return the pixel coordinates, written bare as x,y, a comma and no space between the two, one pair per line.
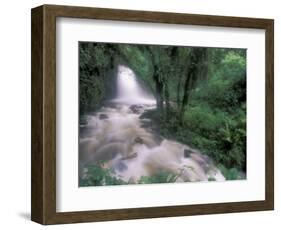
140,114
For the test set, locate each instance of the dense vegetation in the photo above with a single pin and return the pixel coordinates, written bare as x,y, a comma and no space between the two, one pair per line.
97,175
95,63
200,93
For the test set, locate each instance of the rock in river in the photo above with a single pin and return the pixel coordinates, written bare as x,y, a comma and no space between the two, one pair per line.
186,153
138,109
103,116
131,156
139,140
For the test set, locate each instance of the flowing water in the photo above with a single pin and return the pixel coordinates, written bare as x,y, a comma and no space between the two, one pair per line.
128,144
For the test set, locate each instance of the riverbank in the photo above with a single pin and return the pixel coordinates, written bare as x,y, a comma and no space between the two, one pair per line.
186,133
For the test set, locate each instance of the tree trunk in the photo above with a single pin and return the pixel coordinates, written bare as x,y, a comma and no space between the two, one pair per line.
158,88
187,89
196,70
167,100
159,93
178,91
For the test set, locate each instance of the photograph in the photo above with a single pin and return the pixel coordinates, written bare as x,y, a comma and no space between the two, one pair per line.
161,114
141,114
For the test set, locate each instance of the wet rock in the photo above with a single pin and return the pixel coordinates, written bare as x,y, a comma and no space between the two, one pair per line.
131,156
92,113
138,109
85,132
203,160
83,120
111,104
146,123
120,166
158,139
187,153
103,116
151,114
149,142
139,140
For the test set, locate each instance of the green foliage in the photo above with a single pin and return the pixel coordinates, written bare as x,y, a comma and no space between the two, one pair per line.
226,89
203,118
218,133
230,174
233,66
160,177
96,176
95,60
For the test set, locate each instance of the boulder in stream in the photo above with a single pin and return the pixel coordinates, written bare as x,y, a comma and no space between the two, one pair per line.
138,109
103,116
130,156
139,140
186,153
146,123
120,166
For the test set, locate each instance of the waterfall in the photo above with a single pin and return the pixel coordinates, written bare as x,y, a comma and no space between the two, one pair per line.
129,90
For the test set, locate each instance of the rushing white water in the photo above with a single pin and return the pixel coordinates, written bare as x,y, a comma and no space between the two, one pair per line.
128,144
129,90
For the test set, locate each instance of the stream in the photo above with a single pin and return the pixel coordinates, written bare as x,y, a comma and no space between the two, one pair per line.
127,143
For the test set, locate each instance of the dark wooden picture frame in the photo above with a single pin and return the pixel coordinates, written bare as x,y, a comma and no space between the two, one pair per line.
43,189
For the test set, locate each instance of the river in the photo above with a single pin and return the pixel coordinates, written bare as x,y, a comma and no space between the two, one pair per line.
126,143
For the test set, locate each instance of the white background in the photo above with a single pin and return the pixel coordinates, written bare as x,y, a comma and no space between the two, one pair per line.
15,114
